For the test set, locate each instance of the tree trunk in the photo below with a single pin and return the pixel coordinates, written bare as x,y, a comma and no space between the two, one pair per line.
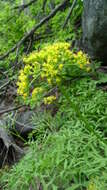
94,24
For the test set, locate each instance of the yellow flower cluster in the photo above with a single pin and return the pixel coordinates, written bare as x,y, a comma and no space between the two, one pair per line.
82,61
53,65
36,91
22,84
47,68
27,69
49,100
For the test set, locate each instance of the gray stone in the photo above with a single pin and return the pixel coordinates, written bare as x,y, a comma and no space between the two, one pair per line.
23,123
19,122
94,24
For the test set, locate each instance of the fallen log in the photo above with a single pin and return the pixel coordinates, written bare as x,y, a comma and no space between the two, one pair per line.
10,153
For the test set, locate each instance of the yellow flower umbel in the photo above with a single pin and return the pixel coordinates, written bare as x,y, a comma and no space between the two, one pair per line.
60,66
36,91
22,85
49,100
82,61
49,68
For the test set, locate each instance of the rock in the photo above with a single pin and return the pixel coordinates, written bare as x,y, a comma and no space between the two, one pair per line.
23,124
94,24
19,123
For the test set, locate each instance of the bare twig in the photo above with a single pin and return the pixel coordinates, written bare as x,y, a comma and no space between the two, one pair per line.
36,38
4,85
3,73
52,4
8,52
44,4
29,45
6,155
24,6
31,32
69,13
21,124
11,109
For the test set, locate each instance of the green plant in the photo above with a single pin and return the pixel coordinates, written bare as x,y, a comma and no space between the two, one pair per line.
70,149
69,159
48,69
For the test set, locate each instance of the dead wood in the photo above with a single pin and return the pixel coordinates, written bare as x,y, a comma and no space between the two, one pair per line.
24,6
9,151
10,109
32,31
69,13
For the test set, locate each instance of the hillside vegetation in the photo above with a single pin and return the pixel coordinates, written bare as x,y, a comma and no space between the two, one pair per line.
52,76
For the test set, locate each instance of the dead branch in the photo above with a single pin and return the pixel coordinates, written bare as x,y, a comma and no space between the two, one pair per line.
69,13
4,85
52,4
44,4
9,151
24,6
31,32
11,109
35,39
29,45
3,74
